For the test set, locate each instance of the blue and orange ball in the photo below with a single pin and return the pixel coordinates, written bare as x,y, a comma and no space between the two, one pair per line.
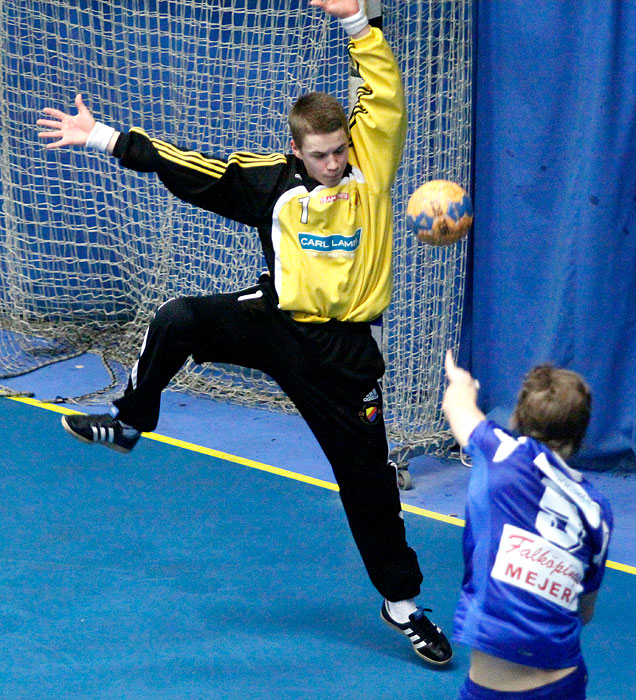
439,213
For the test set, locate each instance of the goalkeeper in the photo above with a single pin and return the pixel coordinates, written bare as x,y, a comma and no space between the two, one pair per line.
324,217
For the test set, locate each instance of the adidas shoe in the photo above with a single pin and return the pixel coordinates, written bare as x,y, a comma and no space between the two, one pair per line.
428,640
102,429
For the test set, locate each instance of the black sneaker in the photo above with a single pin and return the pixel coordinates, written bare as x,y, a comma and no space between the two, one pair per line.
102,429
428,640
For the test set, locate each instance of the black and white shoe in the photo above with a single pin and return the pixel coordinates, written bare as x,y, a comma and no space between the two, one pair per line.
102,429
428,640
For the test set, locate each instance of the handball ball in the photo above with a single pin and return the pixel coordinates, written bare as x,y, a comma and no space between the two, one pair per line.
439,212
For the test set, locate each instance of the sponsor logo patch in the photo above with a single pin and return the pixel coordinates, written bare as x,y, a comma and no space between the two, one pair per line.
371,408
371,413
333,197
338,243
371,396
527,561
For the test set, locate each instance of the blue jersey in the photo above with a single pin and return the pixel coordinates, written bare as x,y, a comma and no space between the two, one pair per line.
536,538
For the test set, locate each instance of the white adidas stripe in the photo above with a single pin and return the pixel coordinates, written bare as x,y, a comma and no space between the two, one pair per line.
415,638
101,434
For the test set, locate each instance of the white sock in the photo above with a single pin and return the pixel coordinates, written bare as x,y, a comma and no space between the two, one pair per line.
401,610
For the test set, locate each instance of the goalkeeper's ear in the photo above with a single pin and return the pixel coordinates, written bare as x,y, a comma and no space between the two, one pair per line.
295,149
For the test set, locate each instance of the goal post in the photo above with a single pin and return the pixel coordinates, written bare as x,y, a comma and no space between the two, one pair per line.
89,249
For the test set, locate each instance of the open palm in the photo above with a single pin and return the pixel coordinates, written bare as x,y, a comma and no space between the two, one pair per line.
68,129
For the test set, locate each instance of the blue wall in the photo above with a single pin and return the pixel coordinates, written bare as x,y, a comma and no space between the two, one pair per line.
554,245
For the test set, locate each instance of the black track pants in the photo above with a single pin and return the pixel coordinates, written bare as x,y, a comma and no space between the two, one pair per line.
330,371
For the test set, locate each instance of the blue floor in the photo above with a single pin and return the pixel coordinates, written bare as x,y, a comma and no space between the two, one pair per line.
171,573
286,442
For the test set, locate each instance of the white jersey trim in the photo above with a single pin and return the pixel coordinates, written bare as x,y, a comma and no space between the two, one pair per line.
589,507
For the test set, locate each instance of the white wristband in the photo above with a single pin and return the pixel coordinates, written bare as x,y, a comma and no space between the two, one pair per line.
354,24
100,137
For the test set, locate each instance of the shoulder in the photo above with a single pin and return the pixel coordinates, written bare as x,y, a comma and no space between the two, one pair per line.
496,442
247,159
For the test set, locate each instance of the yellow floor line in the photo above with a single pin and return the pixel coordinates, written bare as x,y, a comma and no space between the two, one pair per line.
626,568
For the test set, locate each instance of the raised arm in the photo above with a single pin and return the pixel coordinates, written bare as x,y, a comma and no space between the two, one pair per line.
460,401
238,187
79,129
378,119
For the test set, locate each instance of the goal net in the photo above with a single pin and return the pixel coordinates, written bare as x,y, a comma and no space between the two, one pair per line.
89,249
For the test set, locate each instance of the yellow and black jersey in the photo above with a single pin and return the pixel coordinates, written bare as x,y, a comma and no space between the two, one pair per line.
328,249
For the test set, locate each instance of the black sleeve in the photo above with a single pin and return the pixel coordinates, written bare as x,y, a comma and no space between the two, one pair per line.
242,187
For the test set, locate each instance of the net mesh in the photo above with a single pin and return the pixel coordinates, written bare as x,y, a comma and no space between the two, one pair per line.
89,250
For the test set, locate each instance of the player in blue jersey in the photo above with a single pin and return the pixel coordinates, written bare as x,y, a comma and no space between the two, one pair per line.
535,542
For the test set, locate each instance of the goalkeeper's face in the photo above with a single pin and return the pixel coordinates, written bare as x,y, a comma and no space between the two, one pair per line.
325,156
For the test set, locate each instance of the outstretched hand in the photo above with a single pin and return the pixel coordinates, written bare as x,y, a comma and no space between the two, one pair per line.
460,401
338,8
68,129
454,373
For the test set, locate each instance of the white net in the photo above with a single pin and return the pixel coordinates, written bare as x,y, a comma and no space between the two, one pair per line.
89,250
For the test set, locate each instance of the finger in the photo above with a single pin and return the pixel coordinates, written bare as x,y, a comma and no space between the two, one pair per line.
79,103
50,134
449,363
52,112
48,123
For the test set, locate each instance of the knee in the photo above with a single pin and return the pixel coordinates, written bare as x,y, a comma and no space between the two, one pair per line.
175,314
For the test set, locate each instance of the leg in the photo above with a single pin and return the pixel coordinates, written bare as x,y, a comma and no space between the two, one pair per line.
227,328
327,370
222,327
244,328
333,381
